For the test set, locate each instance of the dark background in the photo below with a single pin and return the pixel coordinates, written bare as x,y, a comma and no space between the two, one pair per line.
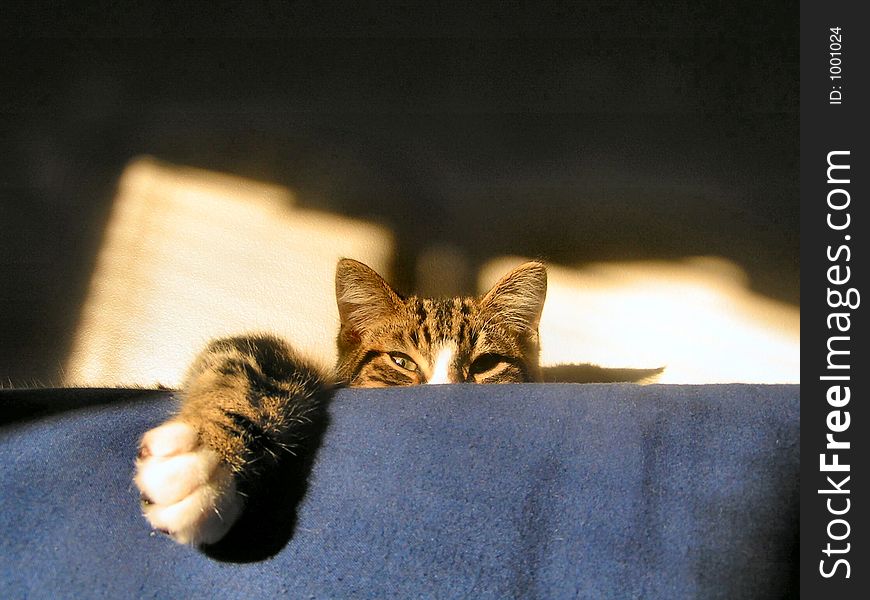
570,131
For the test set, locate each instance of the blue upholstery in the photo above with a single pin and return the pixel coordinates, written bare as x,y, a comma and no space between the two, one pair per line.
526,491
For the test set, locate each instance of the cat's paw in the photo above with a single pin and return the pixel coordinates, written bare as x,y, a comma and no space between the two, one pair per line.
187,491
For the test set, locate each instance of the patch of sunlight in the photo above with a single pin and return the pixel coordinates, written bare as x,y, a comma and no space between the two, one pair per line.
695,317
189,255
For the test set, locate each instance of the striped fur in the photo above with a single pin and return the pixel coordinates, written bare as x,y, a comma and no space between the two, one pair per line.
248,401
250,395
493,339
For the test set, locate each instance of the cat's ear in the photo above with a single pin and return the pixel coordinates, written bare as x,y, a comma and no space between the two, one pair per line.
518,297
362,295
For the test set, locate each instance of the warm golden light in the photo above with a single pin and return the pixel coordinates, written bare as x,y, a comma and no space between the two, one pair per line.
697,318
189,255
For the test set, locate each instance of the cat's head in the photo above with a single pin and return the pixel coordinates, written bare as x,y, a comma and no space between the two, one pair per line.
387,339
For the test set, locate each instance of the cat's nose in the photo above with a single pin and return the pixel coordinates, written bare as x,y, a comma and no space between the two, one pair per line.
444,366
453,376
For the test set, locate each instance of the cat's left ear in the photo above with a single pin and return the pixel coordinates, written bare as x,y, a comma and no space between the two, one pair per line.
363,297
519,296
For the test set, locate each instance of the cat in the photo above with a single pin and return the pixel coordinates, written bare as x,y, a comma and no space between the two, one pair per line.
248,401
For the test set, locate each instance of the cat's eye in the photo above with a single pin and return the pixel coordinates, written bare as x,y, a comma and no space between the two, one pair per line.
403,361
485,363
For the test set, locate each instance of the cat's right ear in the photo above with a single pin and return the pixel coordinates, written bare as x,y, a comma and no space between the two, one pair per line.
363,297
518,297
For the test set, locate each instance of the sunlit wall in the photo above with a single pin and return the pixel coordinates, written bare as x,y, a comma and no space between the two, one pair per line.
189,255
696,318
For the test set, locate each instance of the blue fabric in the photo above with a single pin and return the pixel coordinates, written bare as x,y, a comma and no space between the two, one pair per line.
520,491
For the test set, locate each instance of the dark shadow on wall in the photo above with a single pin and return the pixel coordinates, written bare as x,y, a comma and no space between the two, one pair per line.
556,136
32,404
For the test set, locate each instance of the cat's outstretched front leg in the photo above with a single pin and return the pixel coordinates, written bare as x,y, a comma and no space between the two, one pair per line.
247,402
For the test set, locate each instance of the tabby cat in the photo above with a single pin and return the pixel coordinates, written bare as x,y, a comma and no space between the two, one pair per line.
246,401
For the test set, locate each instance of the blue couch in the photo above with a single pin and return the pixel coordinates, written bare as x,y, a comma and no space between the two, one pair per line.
517,491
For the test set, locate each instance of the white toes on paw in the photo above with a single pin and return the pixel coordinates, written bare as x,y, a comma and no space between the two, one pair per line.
187,491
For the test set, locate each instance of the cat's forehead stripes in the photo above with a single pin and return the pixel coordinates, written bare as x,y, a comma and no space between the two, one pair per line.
441,319
492,338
